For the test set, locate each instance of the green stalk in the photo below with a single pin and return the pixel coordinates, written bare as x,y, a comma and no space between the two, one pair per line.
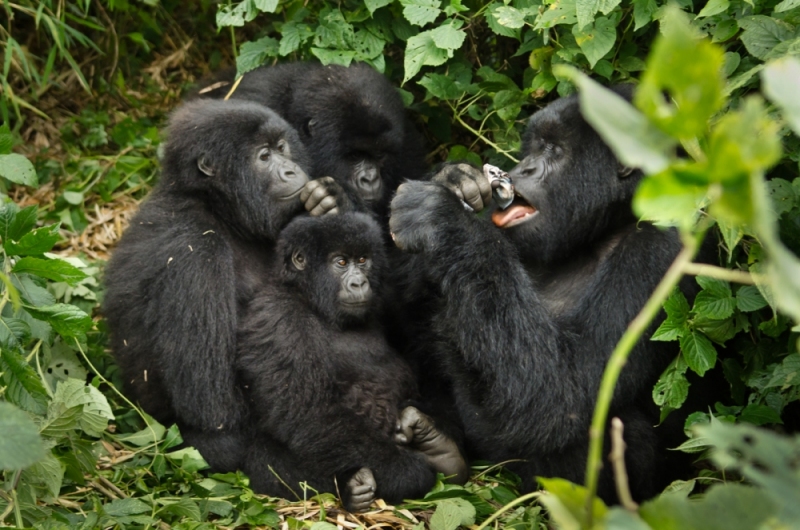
620,356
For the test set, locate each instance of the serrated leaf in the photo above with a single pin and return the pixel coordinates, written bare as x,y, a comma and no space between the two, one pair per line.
671,389
126,507
719,331
711,305
326,56
448,37
35,242
25,389
293,35
421,50
566,502
780,80
510,17
421,12
452,513
96,411
632,138
440,86
15,223
67,320
253,54
20,444
559,12
786,5
46,476
188,458
787,373
698,352
14,332
597,39
184,508
266,6
53,269
714,7
60,420
748,298
18,169
762,33
6,139
760,415
643,11
374,5
149,435
63,365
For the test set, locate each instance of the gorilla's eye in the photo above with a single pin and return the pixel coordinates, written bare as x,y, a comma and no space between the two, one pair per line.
264,154
362,260
341,262
298,260
282,146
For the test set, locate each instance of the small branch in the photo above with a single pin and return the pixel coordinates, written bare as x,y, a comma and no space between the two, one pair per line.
103,490
482,137
233,88
720,273
617,458
501,511
113,487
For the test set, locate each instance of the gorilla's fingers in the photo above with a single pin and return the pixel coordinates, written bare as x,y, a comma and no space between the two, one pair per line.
361,488
441,451
332,212
472,194
308,189
327,203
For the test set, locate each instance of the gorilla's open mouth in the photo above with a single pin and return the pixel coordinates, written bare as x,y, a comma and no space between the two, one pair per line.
517,213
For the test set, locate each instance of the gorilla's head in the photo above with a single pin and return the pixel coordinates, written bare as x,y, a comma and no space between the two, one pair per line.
336,263
241,158
570,189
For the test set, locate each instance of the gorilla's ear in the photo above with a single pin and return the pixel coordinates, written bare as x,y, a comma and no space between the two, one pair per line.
308,127
203,165
624,171
298,260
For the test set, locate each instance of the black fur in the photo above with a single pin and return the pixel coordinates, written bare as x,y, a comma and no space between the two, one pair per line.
326,390
344,115
525,318
191,260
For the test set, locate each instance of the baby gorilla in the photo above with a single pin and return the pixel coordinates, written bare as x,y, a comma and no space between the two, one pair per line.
326,389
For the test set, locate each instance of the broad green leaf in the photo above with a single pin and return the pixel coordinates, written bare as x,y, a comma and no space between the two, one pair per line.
643,11
690,71
713,7
787,373
448,37
374,5
125,507
632,138
731,234
96,411
188,458
342,57
60,420
494,24
266,6
719,331
441,86
15,223
20,444
31,291
183,508
559,12
253,54
35,242
748,298
780,80
293,35
149,435
6,139
671,197
421,12
53,269
619,518
597,39
587,9
18,169
715,301
421,50
452,513
677,309
786,5
368,45
46,476
566,502
63,365
25,389
672,389
325,525
67,320
762,33
720,288
510,17
14,332
759,415
698,352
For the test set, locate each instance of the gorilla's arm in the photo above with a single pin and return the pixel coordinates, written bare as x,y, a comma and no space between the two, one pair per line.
175,303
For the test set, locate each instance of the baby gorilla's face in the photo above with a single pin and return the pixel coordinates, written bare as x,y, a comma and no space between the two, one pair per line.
352,274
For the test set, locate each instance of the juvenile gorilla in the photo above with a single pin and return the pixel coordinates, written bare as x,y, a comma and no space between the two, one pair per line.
532,302
353,123
326,389
191,259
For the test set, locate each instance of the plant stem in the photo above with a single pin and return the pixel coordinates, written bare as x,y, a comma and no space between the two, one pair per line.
720,273
17,510
620,356
501,511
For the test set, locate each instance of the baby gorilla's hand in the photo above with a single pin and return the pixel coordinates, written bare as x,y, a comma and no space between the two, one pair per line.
324,196
417,430
361,490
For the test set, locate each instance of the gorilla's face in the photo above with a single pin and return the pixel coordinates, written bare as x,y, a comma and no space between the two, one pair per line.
565,186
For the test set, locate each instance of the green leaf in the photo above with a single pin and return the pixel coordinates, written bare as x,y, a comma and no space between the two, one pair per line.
14,332
374,5
671,389
440,86
149,435
421,12
566,503
126,507
786,374
448,37
559,12
188,458
46,476
452,513
780,80
748,298
762,33
714,7
60,420
698,352
53,269
6,139
20,445
22,223
715,301
587,9
786,5
510,17
671,197
421,50
293,35
18,169
597,39
632,138
643,11
690,71
253,54
96,411
266,6
760,415
67,320
35,242
25,389
183,508
326,56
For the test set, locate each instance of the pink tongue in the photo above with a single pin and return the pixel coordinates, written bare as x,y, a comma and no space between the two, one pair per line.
502,217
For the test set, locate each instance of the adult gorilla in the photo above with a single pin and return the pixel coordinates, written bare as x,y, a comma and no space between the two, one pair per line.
532,302
191,259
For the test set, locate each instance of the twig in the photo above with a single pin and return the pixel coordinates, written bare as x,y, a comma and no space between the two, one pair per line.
112,486
617,458
720,273
103,490
233,88
619,357
504,509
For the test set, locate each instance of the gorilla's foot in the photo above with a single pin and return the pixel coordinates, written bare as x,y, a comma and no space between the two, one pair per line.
417,430
361,488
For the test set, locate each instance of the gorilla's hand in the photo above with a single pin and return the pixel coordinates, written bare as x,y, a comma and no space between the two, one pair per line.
421,214
361,490
324,196
417,431
468,183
